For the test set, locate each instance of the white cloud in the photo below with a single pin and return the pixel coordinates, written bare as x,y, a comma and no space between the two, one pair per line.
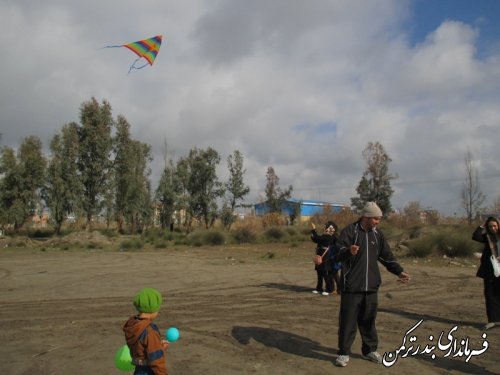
300,86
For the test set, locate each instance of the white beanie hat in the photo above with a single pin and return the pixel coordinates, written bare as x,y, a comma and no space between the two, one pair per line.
371,210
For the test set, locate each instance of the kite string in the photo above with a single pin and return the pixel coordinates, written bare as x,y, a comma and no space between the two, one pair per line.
135,67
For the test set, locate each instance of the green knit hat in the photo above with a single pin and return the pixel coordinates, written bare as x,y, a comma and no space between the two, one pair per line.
148,300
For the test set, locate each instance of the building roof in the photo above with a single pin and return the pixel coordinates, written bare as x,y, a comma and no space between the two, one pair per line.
313,202
307,207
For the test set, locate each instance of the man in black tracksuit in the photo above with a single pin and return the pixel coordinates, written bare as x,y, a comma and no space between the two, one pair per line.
361,245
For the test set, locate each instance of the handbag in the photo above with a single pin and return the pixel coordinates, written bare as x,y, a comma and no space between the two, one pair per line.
495,263
318,259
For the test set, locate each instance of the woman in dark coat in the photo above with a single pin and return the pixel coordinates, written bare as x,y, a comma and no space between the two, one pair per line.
489,235
327,271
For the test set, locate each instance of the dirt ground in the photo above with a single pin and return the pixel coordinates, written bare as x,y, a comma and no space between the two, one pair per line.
240,310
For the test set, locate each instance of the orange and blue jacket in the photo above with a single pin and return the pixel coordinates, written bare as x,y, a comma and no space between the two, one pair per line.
145,344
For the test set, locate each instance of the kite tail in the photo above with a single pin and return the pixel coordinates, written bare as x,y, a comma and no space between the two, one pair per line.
110,47
137,67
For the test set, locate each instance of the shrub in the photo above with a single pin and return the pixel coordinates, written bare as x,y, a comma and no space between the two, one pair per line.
214,238
154,234
110,233
455,243
391,232
274,234
178,237
93,245
305,230
342,218
161,244
41,233
133,244
415,231
273,219
194,239
244,235
269,255
452,242
422,247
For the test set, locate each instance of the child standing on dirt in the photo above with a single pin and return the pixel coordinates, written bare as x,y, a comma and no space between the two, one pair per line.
326,270
143,337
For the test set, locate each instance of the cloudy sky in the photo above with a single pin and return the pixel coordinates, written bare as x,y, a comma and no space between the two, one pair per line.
301,86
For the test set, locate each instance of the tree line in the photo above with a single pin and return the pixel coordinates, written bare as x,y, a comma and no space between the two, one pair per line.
95,168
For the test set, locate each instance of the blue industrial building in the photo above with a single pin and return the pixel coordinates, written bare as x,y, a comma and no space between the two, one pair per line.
308,207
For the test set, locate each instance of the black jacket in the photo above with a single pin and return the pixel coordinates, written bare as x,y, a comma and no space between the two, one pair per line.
324,242
485,270
360,272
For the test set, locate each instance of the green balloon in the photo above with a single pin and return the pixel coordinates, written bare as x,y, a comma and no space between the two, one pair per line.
123,359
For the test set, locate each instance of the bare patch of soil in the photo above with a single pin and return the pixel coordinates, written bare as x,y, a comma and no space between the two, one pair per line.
239,311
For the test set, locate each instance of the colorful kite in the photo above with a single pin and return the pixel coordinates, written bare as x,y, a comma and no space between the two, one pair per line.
146,48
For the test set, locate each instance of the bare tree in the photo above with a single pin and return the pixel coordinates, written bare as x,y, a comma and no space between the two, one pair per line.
496,206
472,196
412,211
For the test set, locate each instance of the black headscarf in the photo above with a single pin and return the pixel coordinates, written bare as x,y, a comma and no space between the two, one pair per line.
331,223
493,236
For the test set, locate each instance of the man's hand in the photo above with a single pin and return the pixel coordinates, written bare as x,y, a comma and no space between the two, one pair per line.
313,226
354,249
404,277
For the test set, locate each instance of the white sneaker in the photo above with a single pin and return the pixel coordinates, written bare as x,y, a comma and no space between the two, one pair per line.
375,357
342,360
315,292
325,293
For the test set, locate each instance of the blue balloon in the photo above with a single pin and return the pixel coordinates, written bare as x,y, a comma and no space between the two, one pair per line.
172,334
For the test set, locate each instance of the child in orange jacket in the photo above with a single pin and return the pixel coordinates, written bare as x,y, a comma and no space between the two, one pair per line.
143,337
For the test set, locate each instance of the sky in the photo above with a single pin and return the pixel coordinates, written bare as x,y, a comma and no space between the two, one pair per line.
302,86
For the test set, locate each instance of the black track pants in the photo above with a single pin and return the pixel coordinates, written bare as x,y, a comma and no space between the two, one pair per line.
358,310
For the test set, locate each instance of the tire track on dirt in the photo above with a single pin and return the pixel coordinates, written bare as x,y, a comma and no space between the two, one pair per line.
4,273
